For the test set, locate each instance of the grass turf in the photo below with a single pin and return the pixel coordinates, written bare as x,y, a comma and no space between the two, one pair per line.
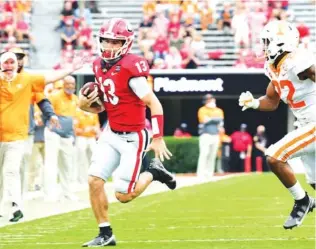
242,212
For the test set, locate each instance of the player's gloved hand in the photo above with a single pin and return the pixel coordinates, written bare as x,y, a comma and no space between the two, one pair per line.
246,100
158,145
86,101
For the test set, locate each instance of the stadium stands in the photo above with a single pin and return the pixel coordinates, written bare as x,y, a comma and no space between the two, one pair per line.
15,25
220,46
217,41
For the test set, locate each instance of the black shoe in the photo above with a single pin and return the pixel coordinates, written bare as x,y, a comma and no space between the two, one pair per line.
17,215
299,212
161,174
101,240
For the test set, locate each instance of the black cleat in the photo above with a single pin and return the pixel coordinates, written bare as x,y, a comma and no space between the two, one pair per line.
17,215
299,212
101,240
162,175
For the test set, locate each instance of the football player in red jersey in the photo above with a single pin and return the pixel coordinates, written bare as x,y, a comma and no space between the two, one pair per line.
122,144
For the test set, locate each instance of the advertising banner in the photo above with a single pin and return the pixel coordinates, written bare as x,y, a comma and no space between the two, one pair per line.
197,82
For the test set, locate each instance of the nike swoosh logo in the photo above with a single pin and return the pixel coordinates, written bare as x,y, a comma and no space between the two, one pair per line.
113,73
129,141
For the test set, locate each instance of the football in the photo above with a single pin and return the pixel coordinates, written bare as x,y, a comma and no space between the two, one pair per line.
91,86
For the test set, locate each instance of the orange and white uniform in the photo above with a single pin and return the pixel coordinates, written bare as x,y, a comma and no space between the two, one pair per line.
15,100
300,95
87,127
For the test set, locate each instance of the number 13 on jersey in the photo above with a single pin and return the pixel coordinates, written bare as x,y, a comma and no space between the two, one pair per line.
109,95
141,66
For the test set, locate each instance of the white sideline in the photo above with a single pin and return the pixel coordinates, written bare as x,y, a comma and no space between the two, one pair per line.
35,207
225,240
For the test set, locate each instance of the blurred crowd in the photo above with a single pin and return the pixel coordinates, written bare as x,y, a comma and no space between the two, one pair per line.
168,36
247,20
75,28
171,32
15,19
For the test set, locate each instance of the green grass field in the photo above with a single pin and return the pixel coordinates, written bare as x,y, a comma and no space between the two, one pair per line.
242,213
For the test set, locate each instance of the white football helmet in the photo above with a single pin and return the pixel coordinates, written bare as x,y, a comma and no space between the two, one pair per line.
278,37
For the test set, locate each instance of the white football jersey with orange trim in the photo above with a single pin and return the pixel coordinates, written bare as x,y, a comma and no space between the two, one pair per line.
300,95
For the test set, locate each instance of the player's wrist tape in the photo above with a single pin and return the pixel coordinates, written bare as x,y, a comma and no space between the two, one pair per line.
157,125
256,103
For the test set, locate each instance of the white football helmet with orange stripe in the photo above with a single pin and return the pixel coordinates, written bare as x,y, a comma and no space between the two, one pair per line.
278,37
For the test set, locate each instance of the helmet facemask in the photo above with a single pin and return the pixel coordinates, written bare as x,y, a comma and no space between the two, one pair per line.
272,50
110,54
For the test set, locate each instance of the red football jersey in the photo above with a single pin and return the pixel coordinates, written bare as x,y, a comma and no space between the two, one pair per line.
126,112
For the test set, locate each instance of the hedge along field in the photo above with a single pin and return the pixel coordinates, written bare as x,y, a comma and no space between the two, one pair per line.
185,154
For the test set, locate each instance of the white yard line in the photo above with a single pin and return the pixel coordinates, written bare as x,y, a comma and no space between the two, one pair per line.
225,240
35,207
43,231
211,218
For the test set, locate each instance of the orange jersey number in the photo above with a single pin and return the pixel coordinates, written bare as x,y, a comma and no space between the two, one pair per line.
286,83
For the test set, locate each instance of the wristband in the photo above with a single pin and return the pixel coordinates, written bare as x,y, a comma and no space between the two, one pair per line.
256,104
157,125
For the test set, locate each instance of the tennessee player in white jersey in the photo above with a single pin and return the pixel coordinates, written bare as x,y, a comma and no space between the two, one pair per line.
292,79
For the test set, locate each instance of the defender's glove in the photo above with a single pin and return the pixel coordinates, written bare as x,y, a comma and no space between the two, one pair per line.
246,100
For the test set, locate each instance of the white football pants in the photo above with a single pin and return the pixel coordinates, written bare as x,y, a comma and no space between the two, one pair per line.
298,143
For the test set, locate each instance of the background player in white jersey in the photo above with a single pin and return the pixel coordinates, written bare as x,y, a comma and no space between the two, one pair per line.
292,74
